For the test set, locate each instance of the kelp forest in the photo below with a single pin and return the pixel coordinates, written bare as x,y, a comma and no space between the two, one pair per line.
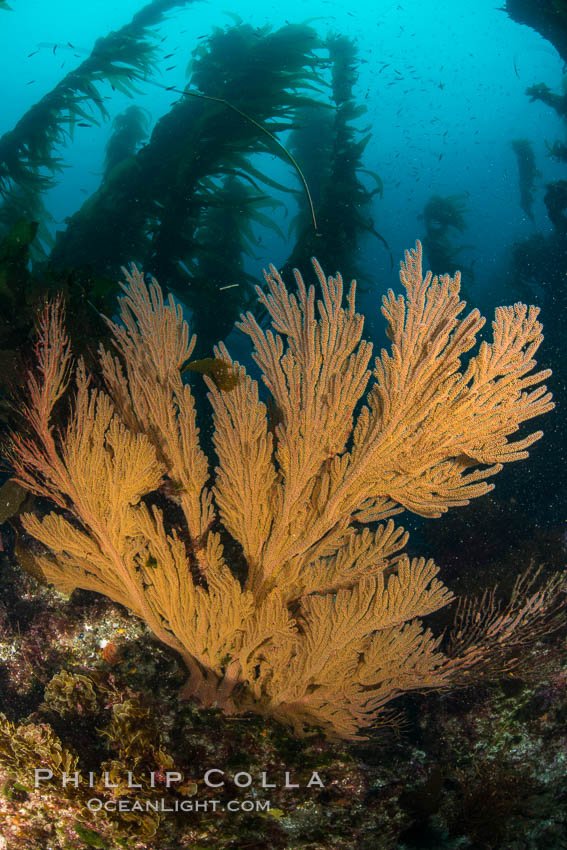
189,201
246,505
184,203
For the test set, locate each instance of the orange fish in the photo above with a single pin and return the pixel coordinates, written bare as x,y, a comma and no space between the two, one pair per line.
221,372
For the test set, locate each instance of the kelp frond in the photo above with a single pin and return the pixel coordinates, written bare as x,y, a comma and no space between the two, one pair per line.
193,149
121,58
331,148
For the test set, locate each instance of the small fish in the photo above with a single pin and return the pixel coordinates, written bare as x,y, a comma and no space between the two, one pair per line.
33,53
220,371
169,55
171,67
83,124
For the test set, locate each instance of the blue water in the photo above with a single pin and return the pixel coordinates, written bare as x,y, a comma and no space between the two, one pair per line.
444,85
